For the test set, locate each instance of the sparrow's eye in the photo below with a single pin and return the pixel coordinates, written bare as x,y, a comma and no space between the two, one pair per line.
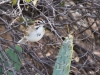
41,21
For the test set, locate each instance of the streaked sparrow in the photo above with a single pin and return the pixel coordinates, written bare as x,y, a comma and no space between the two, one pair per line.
34,32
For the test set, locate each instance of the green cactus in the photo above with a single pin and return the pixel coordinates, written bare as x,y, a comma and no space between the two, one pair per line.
14,2
14,59
27,1
63,62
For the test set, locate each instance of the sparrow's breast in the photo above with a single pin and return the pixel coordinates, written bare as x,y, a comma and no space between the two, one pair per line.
36,35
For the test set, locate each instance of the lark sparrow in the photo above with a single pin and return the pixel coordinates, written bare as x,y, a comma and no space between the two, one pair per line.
34,32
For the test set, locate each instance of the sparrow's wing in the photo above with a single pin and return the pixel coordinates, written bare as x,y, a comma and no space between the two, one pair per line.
29,30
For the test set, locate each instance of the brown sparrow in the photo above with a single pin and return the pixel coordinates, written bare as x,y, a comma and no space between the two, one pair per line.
34,32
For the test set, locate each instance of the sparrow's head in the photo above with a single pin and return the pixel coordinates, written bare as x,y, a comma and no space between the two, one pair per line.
39,23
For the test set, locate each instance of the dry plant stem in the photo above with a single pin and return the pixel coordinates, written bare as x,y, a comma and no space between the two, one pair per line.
2,2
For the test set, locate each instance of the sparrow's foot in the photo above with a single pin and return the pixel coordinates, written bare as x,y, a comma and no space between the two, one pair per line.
40,45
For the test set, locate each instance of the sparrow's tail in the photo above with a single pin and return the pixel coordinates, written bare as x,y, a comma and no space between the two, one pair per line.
22,41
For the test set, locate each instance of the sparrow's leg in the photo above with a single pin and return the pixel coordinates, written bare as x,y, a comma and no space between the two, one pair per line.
29,45
40,45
